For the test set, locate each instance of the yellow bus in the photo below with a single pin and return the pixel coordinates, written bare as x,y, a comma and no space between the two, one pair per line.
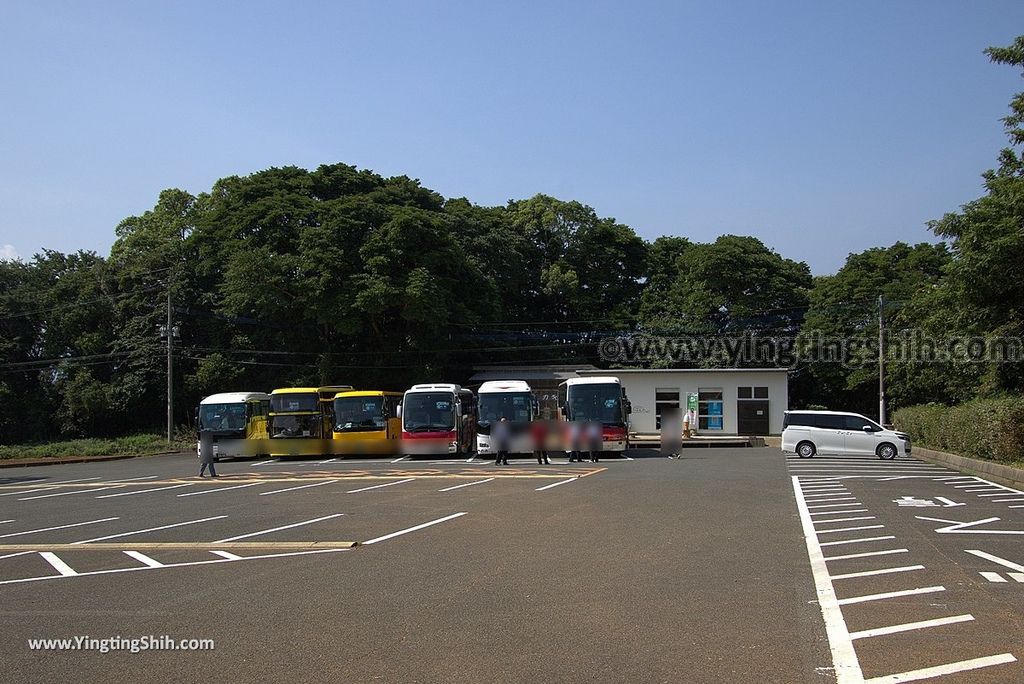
367,422
301,420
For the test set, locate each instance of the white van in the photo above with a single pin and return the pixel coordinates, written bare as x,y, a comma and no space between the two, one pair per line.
807,433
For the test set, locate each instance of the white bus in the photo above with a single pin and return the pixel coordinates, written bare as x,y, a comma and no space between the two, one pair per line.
237,421
512,400
598,399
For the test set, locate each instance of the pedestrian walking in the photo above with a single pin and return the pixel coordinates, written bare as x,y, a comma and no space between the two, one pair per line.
206,458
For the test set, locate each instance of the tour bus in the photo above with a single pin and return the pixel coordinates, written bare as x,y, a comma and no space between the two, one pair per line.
366,422
237,422
438,419
509,399
302,419
598,399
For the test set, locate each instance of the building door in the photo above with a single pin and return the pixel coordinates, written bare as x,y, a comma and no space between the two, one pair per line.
752,417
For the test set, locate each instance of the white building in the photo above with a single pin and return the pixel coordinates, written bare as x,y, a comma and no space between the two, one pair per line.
730,401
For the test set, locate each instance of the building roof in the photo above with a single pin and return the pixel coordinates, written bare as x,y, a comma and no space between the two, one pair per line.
554,373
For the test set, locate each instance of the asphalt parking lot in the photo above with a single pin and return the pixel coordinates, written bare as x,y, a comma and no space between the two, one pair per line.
724,565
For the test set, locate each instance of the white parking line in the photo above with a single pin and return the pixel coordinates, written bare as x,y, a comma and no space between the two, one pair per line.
330,460
939,670
832,520
401,458
833,496
222,489
852,529
468,484
888,552
911,626
273,460
413,529
386,484
859,510
993,576
57,482
77,491
150,529
292,489
19,553
145,491
144,559
844,657
58,565
276,529
562,482
4,522
857,541
58,527
173,565
996,559
836,506
1006,501
133,479
872,573
29,491
226,554
890,594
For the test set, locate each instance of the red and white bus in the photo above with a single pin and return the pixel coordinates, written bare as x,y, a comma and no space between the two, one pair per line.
438,419
598,399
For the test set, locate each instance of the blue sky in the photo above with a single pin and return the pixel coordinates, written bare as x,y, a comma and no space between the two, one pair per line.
822,128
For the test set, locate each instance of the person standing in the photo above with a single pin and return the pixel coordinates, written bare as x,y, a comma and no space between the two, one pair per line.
501,439
539,434
206,458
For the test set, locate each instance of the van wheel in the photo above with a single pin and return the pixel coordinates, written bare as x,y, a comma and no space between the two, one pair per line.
805,450
886,452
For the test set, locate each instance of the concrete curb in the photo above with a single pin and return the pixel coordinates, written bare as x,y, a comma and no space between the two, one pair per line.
60,460
997,472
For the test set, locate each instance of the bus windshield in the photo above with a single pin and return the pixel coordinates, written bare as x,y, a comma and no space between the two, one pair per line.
600,403
513,406
291,403
222,417
359,414
428,412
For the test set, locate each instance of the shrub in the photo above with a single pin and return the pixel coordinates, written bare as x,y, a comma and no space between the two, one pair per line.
992,429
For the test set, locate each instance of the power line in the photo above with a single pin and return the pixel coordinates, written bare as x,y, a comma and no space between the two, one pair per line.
73,305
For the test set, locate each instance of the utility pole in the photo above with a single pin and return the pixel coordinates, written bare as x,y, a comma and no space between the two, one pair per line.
169,332
881,360
170,370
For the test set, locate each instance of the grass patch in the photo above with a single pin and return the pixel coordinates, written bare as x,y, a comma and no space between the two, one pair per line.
133,445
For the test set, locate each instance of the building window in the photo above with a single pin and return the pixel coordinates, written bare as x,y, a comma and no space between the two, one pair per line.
709,409
751,392
664,399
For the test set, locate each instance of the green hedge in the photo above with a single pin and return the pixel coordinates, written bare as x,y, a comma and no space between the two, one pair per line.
992,429
134,445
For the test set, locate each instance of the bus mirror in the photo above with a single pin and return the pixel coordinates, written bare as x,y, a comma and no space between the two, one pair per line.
629,407
398,411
